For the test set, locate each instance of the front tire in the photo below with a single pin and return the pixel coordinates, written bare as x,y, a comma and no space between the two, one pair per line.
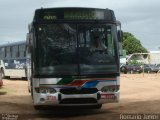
38,107
99,106
2,75
125,72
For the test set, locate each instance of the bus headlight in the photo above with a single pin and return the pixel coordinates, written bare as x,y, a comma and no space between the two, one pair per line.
45,90
112,88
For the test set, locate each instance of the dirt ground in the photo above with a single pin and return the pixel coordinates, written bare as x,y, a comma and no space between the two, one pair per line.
140,98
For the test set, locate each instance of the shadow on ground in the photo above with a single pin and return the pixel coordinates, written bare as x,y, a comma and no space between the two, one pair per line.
3,92
22,105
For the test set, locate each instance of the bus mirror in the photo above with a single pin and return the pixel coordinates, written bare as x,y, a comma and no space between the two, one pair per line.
120,39
120,35
29,46
29,42
120,49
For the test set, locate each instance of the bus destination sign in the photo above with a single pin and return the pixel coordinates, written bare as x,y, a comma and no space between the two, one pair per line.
74,15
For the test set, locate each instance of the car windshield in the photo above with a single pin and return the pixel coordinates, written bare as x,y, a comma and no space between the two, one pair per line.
73,49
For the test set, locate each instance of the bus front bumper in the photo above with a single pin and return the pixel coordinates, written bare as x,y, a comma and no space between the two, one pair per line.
59,99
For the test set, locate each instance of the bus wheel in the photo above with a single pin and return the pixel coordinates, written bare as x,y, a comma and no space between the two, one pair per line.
125,72
2,73
99,106
31,92
38,107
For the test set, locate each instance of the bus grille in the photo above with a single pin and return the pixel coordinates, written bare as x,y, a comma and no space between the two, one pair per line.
79,91
78,101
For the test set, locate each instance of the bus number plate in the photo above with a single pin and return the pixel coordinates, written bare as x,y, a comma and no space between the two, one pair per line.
51,98
108,96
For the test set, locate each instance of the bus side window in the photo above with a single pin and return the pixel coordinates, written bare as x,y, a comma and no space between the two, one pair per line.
110,42
7,52
22,50
2,53
11,52
29,42
14,51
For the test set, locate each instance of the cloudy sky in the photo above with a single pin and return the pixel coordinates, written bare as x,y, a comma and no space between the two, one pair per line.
139,17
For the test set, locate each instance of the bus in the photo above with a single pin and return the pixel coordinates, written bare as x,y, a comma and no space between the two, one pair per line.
73,57
13,60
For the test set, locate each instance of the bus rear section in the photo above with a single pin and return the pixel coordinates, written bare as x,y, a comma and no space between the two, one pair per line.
73,57
13,60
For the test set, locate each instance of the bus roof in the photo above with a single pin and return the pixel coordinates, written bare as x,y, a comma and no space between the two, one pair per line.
73,13
13,43
58,8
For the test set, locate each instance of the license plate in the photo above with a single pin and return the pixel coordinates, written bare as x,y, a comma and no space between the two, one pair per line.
108,96
51,98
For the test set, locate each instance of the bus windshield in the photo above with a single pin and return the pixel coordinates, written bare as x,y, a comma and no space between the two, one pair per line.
76,49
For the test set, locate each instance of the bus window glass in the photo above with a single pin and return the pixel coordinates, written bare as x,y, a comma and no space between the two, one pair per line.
57,44
15,51
96,48
22,49
61,52
2,53
8,52
11,51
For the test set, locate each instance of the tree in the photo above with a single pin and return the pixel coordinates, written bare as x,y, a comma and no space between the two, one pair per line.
132,44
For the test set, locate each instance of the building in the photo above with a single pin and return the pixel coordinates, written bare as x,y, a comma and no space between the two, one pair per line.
154,57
